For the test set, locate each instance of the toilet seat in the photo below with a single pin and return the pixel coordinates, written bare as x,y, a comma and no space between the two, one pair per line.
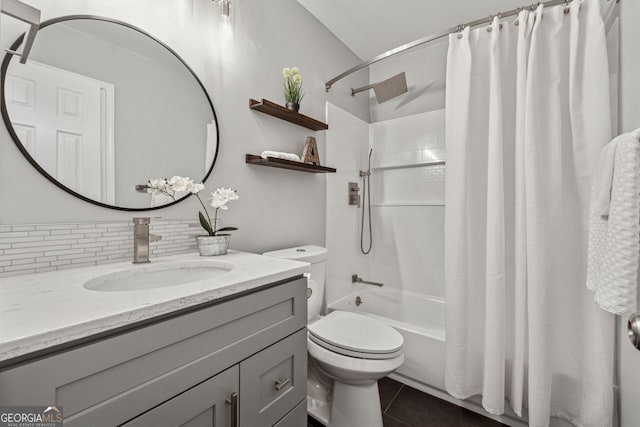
356,335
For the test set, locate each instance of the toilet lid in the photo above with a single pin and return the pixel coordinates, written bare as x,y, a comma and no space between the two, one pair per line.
356,333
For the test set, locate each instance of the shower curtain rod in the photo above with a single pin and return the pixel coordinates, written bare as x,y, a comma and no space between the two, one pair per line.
443,34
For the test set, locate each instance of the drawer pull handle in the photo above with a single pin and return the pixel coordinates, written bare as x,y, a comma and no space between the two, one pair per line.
281,384
233,401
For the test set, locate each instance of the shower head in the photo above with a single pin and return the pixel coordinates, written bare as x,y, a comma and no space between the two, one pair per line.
390,88
387,89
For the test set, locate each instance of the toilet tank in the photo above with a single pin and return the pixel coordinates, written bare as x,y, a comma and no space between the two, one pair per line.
317,257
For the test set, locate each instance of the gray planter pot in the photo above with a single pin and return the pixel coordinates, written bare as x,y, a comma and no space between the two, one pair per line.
213,245
293,106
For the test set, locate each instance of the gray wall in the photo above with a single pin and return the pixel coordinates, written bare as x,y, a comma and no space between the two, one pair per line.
629,361
426,70
277,208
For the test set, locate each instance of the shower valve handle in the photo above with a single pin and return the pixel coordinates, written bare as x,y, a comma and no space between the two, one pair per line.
354,194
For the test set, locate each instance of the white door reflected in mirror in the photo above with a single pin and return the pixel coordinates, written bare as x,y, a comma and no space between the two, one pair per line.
65,121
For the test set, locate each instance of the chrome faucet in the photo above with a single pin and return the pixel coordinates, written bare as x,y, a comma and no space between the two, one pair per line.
141,239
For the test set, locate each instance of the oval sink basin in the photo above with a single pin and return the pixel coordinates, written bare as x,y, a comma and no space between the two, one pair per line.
161,275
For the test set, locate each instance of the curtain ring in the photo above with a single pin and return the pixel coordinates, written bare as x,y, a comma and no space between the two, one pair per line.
490,19
566,7
499,16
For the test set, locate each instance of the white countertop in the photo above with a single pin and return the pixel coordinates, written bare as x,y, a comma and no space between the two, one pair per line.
43,310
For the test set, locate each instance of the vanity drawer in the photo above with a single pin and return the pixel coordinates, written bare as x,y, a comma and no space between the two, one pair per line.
113,380
273,381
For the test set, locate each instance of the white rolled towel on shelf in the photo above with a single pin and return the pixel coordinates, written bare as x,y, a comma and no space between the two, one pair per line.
280,155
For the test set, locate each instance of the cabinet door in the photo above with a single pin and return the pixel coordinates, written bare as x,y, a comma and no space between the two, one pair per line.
273,381
204,405
296,418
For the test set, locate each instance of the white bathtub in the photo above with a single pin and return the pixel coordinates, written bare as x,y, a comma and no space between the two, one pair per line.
418,317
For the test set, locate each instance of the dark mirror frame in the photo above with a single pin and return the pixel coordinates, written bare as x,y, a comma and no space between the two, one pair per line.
23,150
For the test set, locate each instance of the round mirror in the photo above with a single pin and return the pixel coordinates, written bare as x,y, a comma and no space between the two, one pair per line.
101,107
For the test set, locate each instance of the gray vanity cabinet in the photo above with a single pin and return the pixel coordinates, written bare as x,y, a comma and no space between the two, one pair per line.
205,405
272,382
182,369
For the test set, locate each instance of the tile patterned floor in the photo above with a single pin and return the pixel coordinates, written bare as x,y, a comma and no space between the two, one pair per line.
403,406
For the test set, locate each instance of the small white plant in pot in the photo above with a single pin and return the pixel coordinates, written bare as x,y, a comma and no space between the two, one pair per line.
293,92
213,243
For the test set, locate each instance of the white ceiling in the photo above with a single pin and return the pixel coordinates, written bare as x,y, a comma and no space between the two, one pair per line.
371,27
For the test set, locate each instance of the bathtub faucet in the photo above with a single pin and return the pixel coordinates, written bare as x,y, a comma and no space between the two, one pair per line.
356,279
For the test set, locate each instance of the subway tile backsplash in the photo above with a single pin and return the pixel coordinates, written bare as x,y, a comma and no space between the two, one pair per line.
26,249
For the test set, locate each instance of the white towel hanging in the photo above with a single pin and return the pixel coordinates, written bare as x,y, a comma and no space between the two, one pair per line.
603,179
614,240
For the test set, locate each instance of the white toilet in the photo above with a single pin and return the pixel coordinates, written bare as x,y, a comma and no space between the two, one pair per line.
353,350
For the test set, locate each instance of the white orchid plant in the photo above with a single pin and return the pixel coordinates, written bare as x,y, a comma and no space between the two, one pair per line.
292,84
179,184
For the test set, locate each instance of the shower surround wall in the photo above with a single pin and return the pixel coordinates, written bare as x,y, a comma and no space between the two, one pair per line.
347,149
407,206
408,222
408,203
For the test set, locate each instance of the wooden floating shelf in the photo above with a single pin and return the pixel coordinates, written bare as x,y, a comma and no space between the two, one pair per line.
275,110
287,164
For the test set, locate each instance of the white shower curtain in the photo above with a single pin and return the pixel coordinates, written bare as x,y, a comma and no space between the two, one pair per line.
527,113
